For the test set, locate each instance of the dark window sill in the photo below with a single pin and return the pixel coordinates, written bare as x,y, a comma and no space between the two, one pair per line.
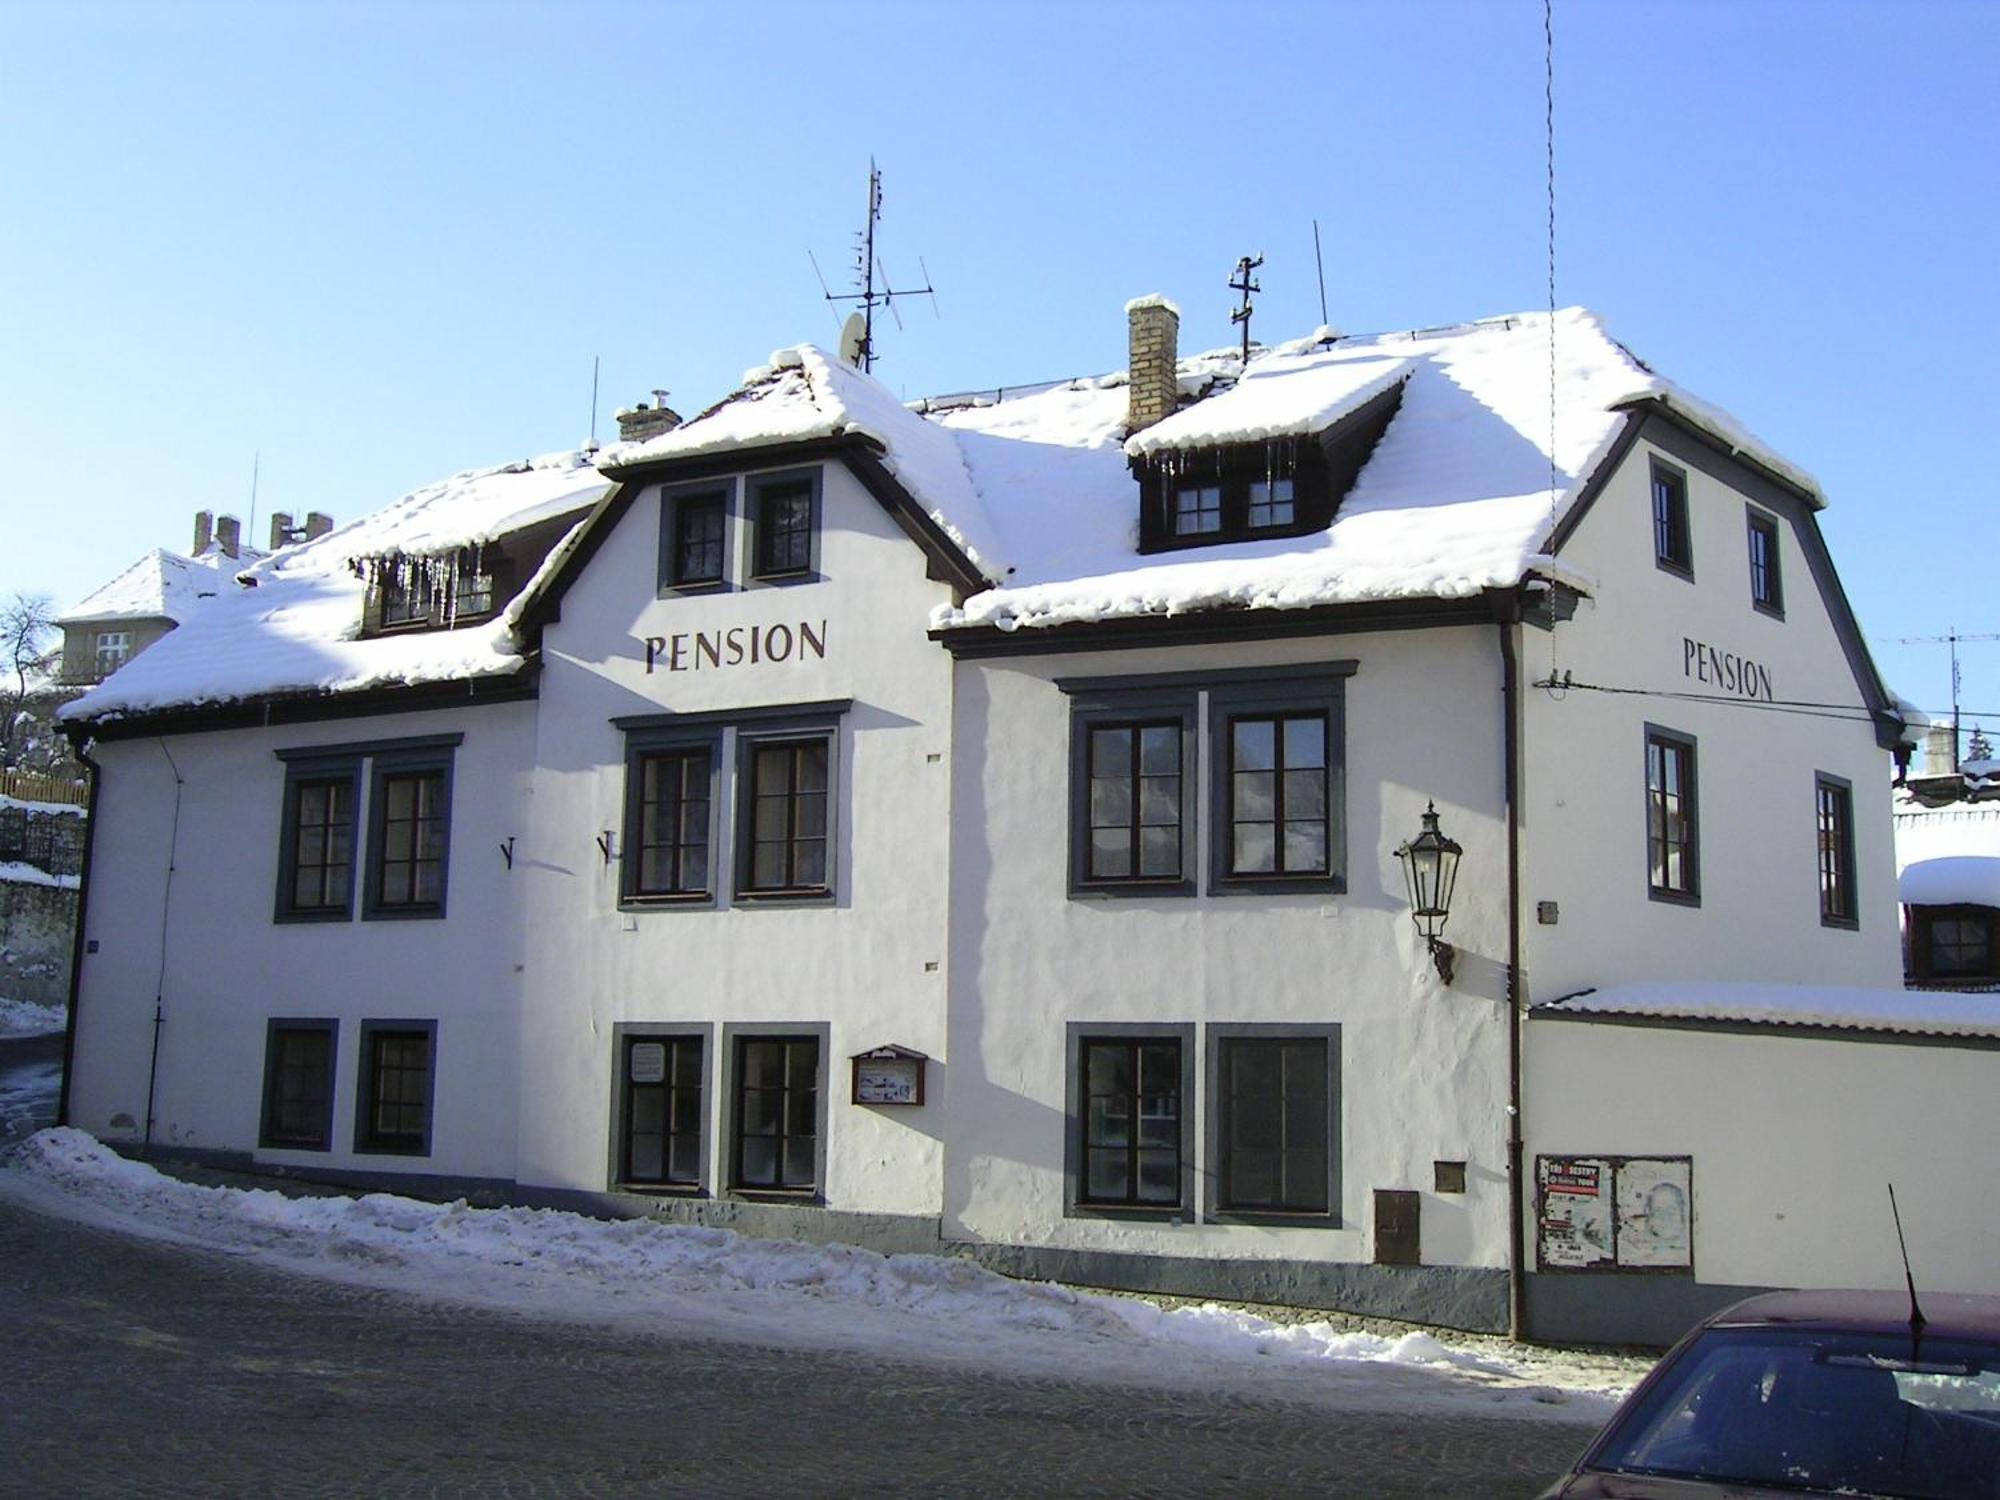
1775,611
691,901
1279,885
384,1150
1275,1218
1846,924
669,589
786,580
817,897
1682,571
1674,898
343,914
264,1143
403,914
1124,890
1166,1213
661,1189
799,1197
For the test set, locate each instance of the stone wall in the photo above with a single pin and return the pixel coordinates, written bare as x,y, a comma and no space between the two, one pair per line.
37,934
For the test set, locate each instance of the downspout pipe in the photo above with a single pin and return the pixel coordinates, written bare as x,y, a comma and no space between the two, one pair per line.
77,943
1517,1197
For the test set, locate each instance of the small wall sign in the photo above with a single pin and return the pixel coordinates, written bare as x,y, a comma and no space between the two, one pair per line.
736,646
649,1062
1726,670
889,1075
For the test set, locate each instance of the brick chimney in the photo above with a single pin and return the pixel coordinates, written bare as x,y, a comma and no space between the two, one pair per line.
229,535
643,421
318,523
203,524
281,530
1154,335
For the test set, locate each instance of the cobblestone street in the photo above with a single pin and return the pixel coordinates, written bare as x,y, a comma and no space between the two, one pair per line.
134,1368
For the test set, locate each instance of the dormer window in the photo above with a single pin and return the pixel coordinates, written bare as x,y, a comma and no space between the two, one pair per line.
431,593
1234,494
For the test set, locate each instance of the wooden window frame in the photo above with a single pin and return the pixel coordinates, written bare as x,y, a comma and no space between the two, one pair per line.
760,490
367,1140
641,747
277,1028
734,1039
1137,708
1673,531
766,736
1762,524
1924,918
1838,904
1220,1039
1684,746
700,1036
424,764
675,503
1080,1036
331,770
1234,471
1304,693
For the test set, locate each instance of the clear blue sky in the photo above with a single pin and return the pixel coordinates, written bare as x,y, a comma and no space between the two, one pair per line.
378,243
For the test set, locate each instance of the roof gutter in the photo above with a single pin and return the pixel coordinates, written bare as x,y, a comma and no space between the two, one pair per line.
1510,739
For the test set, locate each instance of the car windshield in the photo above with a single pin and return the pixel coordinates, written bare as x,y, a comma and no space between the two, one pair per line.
1821,1412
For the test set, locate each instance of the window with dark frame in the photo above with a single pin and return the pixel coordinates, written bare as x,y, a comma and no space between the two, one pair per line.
1197,499
395,1110
776,1128
1672,545
298,1086
1766,584
318,880
784,510
1834,815
433,593
1278,794
662,1111
1270,503
700,525
1671,829
1135,800
785,797
410,831
1132,1126
1274,1101
1955,943
1197,509
669,846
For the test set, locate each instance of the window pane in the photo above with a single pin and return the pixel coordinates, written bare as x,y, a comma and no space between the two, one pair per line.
763,1064
1305,794
1110,853
1254,850
1159,1176
1305,742
1254,796
1110,802
1159,801
1305,848
1159,851
1253,744
1106,1178
1111,752
759,1160
1160,750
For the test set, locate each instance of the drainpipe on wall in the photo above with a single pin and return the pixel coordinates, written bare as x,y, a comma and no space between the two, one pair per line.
1510,693
76,948
166,914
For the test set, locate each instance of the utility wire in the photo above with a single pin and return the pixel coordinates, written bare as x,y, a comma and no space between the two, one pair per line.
1856,713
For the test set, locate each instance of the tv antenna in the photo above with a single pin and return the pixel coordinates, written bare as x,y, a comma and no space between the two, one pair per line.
1950,638
857,334
1243,282
1917,1318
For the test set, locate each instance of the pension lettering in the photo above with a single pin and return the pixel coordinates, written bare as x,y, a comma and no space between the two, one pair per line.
734,646
1726,670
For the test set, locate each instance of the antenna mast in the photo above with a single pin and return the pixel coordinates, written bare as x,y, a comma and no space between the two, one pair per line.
1244,284
1951,639
867,270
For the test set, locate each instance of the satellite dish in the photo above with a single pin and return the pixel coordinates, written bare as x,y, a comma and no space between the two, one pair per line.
852,332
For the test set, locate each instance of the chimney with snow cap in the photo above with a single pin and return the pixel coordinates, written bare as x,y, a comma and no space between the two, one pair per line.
1154,357
203,525
641,422
318,523
228,535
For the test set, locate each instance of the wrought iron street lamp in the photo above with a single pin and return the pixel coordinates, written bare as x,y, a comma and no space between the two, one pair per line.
1430,869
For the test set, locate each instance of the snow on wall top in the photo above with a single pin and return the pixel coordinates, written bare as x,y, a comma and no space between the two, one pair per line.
161,585
806,393
298,628
1913,1012
1956,830
1953,880
1455,499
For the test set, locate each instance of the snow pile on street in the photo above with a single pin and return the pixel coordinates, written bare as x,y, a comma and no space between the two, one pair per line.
1918,1012
297,627
686,1280
25,1018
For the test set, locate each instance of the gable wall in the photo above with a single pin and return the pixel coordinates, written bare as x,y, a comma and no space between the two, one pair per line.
1584,807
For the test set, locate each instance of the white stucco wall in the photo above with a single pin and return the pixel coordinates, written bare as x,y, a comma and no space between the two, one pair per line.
224,968
1423,1070
1584,776
871,965
1794,1140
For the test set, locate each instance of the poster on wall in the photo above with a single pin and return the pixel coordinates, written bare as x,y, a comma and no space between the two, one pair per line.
1653,1219
1625,1213
1575,1211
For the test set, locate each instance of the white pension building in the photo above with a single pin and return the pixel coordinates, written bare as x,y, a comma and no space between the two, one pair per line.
974,827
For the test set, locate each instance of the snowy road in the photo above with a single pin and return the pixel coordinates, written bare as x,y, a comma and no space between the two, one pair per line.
426,1349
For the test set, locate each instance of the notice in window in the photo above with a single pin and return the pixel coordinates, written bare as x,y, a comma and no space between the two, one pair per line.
649,1062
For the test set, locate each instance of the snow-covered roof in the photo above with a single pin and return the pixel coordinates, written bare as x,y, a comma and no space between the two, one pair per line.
161,585
1037,491
296,627
1955,880
1840,1007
